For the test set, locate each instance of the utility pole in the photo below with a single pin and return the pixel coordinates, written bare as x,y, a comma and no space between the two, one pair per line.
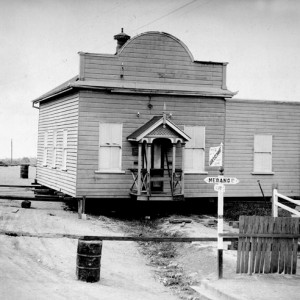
11,151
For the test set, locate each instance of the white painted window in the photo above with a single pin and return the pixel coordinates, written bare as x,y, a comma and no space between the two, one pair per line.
262,154
54,150
45,149
64,150
110,147
195,150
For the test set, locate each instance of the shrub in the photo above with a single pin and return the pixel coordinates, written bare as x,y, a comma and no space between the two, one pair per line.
233,212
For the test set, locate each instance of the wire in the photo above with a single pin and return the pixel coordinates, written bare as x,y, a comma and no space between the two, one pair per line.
166,15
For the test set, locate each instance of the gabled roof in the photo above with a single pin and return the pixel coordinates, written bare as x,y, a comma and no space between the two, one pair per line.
155,127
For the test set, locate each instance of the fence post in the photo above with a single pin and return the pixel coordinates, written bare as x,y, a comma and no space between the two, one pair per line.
274,203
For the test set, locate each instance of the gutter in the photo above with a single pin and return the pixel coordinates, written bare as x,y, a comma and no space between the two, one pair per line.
51,96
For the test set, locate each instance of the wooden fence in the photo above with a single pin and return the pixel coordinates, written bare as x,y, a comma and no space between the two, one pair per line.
269,245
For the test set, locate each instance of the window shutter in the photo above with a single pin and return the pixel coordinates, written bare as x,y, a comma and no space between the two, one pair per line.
116,134
65,150
199,137
262,161
189,130
54,149
263,143
110,146
65,139
45,154
104,134
195,149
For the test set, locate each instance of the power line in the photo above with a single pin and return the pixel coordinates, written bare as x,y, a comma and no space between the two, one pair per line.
167,14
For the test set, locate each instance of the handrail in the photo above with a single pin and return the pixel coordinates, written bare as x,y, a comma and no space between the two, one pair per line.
276,204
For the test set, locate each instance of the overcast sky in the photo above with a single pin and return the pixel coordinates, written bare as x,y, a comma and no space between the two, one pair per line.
40,41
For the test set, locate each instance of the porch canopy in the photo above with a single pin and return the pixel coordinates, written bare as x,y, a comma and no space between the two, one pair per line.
162,128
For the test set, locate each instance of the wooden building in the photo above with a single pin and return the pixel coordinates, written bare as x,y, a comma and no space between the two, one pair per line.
262,147
138,123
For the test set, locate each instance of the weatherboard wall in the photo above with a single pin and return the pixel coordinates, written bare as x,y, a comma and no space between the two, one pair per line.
152,58
244,119
101,106
58,115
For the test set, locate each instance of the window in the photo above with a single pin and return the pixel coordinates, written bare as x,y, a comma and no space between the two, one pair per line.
64,150
45,150
110,147
262,154
195,150
54,152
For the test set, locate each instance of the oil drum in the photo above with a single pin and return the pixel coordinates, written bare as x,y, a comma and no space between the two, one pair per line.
88,260
24,171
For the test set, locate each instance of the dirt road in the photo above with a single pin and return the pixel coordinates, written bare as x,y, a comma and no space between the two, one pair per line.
40,268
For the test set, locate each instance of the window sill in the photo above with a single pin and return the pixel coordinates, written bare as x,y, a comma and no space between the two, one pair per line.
195,173
262,173
109,172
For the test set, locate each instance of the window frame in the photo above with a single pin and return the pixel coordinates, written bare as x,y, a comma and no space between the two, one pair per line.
110,145
188,147
54,150
260,151
45,148
64,153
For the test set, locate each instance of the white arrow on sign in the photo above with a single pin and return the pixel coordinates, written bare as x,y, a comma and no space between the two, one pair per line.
221,179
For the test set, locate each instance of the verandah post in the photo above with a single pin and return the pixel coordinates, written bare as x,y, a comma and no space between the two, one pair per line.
173,168
139,169
148,168
183,159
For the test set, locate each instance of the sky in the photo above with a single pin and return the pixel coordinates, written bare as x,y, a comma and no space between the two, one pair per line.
40,41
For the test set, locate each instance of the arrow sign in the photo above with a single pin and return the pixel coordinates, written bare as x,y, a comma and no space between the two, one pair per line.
216,156
220,179
219,187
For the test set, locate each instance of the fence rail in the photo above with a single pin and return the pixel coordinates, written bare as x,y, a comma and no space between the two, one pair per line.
276,204
114,238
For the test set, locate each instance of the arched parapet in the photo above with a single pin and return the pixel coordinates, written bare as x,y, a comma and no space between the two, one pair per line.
157,42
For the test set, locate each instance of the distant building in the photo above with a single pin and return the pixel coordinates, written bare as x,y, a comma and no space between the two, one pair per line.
139,124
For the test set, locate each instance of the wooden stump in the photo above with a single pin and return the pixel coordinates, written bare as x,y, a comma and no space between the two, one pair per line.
26,204
88,260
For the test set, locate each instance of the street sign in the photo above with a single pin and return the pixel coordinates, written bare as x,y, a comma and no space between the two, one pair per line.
216,156
219,187
221,179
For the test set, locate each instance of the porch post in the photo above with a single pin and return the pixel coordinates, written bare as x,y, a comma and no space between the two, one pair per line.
139,169
174,158
148,166
173,167
183,158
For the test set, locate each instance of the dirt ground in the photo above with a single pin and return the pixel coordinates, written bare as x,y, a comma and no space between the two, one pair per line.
40,268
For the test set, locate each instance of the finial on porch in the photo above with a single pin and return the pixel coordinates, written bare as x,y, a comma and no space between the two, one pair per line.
164,115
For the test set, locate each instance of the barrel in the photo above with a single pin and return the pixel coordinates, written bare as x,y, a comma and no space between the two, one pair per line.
88,260
24,171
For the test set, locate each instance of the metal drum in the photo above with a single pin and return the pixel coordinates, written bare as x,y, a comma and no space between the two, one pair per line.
88,260
24,171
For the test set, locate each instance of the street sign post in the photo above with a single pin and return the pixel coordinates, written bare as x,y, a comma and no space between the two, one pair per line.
219,186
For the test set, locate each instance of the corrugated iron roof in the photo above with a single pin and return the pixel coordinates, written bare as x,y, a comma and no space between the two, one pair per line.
155,127
143,128
62,87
